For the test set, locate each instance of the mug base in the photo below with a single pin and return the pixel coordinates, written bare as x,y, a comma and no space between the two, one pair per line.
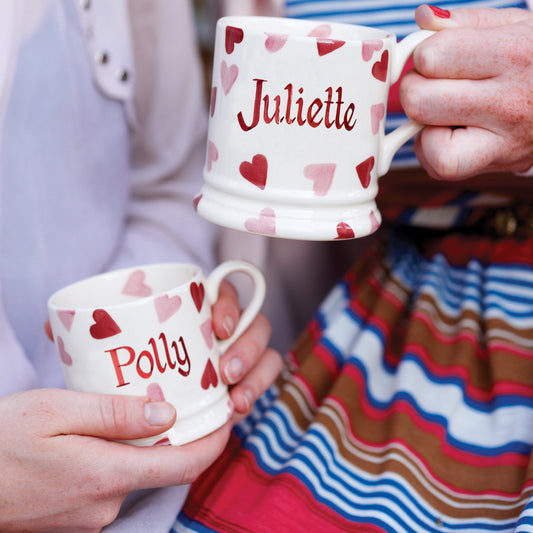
194,427
305,222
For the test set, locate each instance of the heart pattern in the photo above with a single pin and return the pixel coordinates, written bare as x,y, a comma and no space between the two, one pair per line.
264,225
207,331
322,31
166,306
344,231
198,294
234,36
135,285
155,392
209,376
66,316
321,174
275,42
228,76
63,354
374,222
212,155
377,113
381,67
104,326
196,201
256,171
364,169
326,46
370,46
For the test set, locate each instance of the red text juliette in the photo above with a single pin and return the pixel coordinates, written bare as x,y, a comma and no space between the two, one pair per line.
329,111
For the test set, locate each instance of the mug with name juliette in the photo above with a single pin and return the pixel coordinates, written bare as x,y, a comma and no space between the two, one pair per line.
296,136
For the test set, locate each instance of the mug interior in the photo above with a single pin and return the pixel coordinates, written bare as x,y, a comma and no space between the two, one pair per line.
123,286
305,29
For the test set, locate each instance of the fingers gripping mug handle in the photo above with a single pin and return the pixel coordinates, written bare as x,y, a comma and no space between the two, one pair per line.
396,138
254,305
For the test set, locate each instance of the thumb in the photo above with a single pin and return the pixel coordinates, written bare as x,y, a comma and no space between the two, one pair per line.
430,17
108,416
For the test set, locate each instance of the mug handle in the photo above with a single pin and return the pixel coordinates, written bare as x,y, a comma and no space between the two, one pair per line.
254,305
393,141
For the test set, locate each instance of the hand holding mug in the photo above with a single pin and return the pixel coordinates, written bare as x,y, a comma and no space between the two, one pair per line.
472,86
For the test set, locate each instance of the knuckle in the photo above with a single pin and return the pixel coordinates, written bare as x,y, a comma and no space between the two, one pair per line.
114,413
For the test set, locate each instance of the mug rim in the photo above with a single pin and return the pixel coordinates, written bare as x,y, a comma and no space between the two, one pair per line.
248,22
52,304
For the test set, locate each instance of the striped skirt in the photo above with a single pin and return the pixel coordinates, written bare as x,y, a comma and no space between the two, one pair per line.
405,406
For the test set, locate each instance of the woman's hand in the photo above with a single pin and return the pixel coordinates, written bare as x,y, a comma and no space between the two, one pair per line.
60,470
473,87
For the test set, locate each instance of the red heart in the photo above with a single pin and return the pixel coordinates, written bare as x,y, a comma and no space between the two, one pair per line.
209,376
374,222
135,285
63,354
321,174
256,171
363,171
380,68
104,326
198,293
377,112
233,36
344,231
326,46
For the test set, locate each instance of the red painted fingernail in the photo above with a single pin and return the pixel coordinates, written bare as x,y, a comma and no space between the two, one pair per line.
442,13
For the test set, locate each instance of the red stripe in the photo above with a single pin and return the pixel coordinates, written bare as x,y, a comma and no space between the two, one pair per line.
247,499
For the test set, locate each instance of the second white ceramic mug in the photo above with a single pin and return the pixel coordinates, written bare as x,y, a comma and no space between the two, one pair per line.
296,133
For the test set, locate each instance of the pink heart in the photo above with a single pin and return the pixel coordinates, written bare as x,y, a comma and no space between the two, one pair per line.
207,331
228,75
326,46
209,376
256,171
265,224
371,46
321,174
166,306
155,392
135,285
275,42
374,222
66,317
364,169
63,354
380,68
344,231
323,31
234,36
213,101
377,112
212,155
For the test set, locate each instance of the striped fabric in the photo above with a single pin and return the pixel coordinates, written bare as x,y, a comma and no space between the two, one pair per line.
409,406
407,403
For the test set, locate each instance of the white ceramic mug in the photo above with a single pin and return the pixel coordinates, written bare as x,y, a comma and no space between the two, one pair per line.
148,331
296,132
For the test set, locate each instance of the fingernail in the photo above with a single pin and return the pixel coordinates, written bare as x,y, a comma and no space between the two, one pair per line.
234,370
248,397
442,13
229,325
158,413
